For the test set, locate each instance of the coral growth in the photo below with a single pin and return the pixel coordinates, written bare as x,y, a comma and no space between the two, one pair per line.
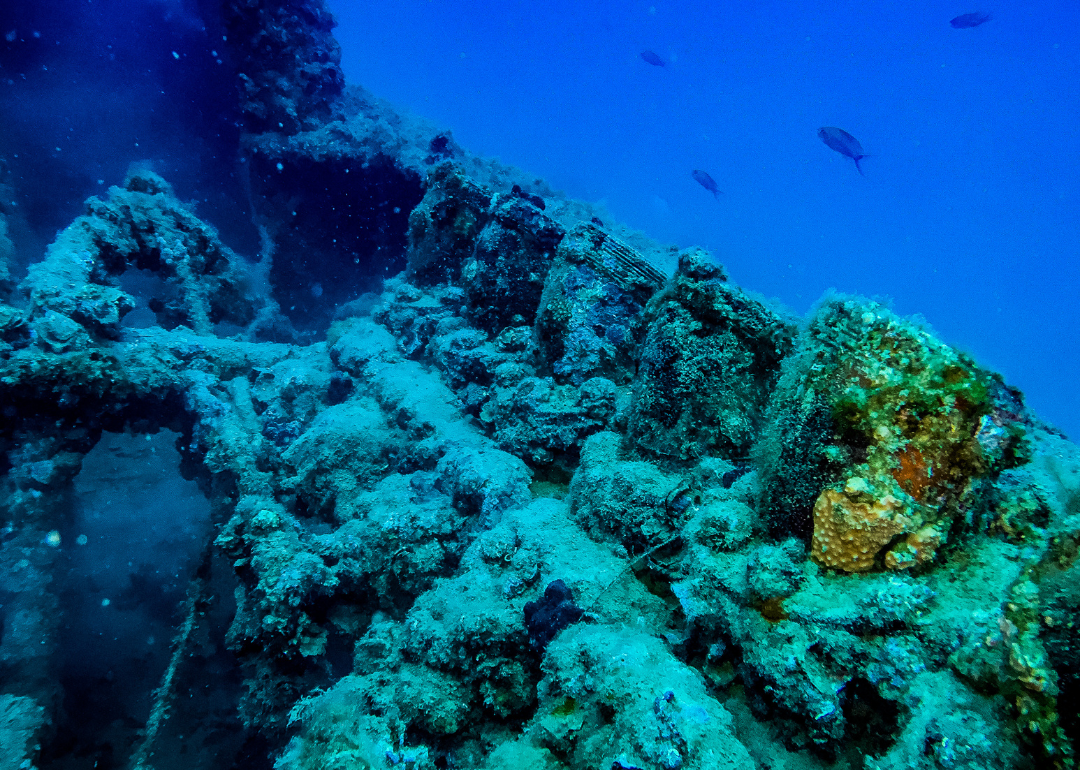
76,291
502,494
892,432
710,360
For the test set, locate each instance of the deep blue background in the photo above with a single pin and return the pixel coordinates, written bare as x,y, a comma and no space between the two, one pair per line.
969,213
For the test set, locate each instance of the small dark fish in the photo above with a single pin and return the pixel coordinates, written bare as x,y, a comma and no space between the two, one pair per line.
969,20
844,143
652,58
706,181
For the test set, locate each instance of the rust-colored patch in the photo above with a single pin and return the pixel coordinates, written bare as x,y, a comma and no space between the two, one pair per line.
913,475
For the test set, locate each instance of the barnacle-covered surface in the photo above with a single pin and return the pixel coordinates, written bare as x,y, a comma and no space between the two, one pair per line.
140,229
526,503
710,360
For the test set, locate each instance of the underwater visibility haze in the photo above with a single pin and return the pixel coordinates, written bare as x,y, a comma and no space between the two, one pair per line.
970,215
546,386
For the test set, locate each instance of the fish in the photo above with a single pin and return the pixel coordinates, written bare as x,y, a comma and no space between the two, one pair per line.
706,181
844,143
969,20
652,58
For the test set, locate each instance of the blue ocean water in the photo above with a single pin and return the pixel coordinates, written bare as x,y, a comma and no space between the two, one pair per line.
969,211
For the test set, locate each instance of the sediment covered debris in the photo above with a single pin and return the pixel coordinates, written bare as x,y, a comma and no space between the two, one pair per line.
508,495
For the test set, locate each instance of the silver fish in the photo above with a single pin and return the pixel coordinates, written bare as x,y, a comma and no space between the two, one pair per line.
844,143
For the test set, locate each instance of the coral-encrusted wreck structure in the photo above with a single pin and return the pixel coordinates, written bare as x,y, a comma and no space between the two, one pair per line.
500,493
